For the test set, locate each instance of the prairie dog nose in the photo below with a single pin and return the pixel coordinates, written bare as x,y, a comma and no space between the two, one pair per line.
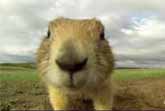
72,66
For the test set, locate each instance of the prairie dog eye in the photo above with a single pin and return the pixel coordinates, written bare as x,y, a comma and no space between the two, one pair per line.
102,36
48,34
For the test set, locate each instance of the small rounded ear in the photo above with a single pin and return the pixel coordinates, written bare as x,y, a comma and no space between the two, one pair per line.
100,27
51,26
95,19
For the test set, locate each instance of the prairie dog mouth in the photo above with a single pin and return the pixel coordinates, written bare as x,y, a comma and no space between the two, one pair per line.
72,82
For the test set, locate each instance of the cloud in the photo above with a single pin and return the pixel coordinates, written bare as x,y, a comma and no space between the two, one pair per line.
145,43
135,28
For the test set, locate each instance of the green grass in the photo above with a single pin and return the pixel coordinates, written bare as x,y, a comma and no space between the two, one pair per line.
27,73
127,74
19,75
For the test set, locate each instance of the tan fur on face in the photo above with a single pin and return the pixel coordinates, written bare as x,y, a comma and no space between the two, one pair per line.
79,38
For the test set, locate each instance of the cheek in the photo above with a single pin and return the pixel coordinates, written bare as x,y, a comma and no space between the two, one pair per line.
54,52
92,59
81,76
52,57
79,80
56,77
94,77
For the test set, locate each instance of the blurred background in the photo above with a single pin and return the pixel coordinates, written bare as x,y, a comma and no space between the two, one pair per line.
135,28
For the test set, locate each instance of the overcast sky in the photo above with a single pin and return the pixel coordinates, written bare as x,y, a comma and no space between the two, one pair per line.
135,28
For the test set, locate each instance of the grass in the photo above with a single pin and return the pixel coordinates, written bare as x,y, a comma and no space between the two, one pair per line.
20,88
17,72
127,74
18,75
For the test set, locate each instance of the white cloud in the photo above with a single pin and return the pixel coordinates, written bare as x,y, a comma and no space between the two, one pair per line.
135,27
145,43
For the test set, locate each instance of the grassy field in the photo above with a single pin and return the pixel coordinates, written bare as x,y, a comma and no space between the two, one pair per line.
19,84
25,72
135,74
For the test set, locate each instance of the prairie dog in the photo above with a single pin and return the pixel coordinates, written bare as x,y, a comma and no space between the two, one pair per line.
76,62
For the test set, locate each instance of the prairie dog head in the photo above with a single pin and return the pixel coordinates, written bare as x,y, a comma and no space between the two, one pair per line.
75,54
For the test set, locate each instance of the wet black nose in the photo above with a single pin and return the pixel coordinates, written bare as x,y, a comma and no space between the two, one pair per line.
72,66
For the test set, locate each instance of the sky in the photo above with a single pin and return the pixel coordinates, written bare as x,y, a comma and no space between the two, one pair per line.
134,28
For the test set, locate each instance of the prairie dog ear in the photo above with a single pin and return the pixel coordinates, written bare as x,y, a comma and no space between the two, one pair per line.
56,21
53,24
100,28
51,27
49,30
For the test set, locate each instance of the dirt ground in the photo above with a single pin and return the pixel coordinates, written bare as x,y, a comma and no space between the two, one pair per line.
130,94
140,94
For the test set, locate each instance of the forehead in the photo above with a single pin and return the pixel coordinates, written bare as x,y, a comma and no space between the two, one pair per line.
76,27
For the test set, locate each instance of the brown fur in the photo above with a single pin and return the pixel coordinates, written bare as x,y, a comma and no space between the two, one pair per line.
82,37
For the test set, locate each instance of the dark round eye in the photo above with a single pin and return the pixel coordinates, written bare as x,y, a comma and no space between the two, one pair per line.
102,36
48,34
